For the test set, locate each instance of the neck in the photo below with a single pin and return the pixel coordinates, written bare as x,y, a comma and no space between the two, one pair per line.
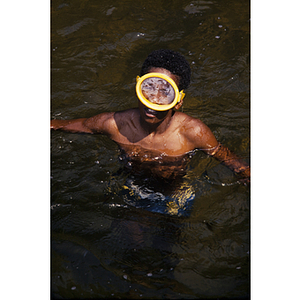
157,128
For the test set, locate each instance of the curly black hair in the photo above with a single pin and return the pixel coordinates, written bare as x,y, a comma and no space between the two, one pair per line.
171,61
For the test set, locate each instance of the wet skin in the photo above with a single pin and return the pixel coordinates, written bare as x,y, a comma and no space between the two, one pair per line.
147,136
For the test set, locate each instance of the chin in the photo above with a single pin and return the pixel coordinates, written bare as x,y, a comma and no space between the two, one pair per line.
151,120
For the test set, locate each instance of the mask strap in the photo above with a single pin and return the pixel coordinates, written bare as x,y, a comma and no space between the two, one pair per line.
182,94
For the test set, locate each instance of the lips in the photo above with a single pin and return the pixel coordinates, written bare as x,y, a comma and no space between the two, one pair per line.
150,112
154,114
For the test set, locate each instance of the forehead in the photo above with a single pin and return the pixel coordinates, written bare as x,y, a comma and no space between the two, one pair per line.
156,81
175,78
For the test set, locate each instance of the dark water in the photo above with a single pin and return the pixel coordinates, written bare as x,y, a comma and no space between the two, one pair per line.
101,247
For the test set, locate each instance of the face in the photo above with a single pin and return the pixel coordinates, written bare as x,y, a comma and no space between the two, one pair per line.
159,93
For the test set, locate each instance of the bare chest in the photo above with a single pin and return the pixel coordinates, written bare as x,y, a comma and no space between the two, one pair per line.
157,163
167,144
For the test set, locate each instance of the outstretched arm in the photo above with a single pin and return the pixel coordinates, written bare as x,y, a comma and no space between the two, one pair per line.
96,124
205,140
75,125
232,161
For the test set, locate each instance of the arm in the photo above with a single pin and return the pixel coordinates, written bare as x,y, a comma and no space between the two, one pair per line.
205,140
232,161
75,125
96,124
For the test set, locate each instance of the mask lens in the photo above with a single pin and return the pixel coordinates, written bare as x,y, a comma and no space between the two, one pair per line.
158,91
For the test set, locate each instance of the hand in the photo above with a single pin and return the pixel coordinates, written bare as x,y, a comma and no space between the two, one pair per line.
54,124
245,181
244,176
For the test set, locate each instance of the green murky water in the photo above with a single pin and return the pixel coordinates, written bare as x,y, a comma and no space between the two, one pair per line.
101,247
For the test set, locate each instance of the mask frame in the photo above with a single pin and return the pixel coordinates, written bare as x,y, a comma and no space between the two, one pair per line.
159,107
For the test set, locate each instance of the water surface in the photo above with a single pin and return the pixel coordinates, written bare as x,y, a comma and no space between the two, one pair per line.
101,246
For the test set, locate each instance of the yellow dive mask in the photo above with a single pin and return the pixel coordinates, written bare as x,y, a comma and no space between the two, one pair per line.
158,91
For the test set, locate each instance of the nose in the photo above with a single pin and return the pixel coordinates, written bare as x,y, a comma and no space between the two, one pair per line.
157,97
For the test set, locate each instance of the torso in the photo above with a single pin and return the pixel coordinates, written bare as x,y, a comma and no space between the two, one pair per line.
154,164
170,143
163,155
159,155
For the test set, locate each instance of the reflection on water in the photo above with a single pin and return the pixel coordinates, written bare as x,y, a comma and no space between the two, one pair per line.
103,247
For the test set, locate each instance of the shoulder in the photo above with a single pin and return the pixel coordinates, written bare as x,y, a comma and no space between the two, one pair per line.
109,123
124,117
187,122
196,131
126,114
100,123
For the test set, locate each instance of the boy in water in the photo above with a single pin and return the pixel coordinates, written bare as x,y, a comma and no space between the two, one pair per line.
154,136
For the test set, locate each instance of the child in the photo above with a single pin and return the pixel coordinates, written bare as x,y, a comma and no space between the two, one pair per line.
155,137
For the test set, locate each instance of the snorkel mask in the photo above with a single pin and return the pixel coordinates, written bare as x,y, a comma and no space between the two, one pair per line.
158,91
